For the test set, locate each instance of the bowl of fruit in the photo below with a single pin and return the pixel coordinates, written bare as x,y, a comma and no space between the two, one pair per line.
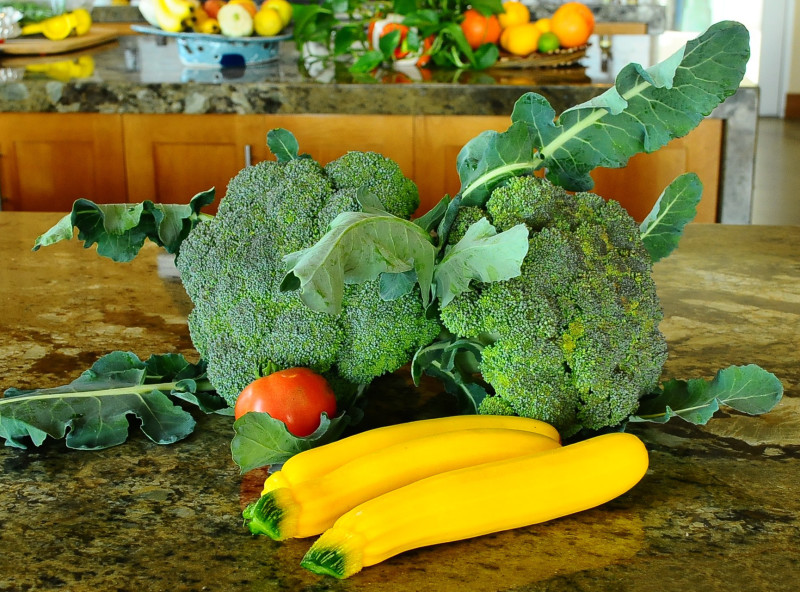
220,33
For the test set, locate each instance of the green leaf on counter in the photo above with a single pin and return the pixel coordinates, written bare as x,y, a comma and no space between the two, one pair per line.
93,411
482,255
749,389
675,208
644,110
261,440
120,230
358,247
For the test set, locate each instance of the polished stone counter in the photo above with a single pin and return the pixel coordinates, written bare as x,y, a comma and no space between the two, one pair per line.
719,509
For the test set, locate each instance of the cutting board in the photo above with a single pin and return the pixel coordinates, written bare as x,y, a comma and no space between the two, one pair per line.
39,45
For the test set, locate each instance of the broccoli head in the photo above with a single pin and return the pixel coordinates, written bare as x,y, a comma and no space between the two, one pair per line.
232,268
574,339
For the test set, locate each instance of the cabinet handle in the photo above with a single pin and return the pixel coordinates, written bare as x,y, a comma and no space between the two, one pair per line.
248,155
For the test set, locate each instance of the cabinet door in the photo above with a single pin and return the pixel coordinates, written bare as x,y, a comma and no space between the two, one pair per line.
439,140
170,158
48,160
327,137
640,183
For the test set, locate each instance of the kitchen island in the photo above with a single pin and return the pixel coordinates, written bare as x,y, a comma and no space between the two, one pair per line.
140,112
718,510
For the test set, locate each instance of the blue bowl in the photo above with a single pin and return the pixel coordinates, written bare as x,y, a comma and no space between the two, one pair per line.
218,51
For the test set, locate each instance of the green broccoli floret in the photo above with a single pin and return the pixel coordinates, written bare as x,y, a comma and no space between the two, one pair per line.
574,339
232,267
378,175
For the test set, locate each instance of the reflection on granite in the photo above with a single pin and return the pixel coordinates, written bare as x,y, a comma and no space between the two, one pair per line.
719,509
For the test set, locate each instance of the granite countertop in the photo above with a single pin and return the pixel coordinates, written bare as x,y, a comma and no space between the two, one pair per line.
718,510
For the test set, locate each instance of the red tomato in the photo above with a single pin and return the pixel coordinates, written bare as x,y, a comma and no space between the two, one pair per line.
295,396
425,58
401,50
479,29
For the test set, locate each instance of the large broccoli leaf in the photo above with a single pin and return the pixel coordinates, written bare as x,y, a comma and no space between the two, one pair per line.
121,229
92,411
482,255
749,389
643,111
358,247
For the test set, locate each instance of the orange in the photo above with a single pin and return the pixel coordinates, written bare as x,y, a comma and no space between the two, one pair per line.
581,9
520,40
514,13
248,5
479,29
572,23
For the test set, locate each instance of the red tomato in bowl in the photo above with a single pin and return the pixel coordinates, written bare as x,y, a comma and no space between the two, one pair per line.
479,29
295,396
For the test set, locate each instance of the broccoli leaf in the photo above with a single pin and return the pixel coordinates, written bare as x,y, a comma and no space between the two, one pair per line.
358,247
92,411
482,255
675,208
749,389
121,229
261,440
283,144
643,111
453,361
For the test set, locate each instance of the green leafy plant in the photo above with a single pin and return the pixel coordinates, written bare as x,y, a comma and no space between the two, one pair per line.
341,28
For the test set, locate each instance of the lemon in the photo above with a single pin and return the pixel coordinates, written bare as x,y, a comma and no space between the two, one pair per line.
514,13
268,22
282,7
548,42
520,40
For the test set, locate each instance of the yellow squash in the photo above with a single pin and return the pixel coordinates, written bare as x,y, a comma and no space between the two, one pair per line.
310,507
479,500
316,462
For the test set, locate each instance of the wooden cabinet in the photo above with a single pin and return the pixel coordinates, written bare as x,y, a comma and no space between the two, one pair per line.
48,160
439,138
172,157
640,183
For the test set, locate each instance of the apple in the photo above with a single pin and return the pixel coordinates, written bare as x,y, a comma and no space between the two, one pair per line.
212,7
235,20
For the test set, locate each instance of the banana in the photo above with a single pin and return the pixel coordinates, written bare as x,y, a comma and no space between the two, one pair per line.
174,15
148,10
167,19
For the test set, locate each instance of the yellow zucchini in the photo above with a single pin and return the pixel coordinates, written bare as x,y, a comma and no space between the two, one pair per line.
308,508
479,500
313,463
